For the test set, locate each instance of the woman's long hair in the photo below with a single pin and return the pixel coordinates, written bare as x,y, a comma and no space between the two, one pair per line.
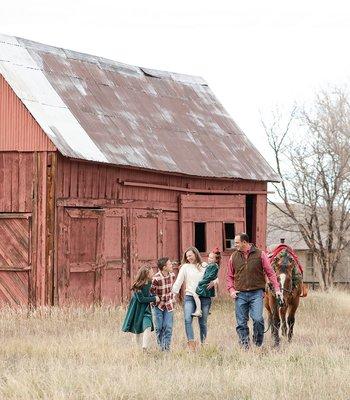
142,278
197,255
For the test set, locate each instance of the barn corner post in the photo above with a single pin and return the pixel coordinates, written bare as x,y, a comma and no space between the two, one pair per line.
43,229
39,231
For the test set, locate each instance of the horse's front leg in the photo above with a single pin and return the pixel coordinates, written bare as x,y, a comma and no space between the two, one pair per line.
267,302
275,327
283,311
291,316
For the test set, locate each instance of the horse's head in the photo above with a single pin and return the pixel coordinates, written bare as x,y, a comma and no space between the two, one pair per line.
283,265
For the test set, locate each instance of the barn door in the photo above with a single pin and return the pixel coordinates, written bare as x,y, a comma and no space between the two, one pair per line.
79,271
207,221
114,273
147,239
15,259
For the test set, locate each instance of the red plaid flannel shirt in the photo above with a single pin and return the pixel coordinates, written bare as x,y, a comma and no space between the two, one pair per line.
161,287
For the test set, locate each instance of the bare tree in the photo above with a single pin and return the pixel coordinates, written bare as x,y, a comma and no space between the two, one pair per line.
315,176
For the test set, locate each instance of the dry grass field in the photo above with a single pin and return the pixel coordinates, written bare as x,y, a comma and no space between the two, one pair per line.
82,354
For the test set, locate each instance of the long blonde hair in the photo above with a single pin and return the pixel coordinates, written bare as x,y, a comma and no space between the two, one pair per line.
142,277
197,255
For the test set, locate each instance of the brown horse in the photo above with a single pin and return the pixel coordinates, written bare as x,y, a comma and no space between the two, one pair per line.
283,309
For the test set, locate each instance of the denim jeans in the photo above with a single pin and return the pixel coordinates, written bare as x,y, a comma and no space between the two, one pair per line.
163,321
250,304
189,309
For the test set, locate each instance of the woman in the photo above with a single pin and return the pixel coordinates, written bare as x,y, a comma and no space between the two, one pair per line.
191,272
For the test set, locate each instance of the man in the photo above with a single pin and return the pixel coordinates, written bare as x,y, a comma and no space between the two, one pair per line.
162,283
245,279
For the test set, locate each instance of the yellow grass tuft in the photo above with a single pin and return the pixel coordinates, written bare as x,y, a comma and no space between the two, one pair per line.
54,353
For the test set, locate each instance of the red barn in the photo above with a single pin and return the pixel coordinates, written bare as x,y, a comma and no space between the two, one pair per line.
106,166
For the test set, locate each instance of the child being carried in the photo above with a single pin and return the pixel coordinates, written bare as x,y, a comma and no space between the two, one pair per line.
210,274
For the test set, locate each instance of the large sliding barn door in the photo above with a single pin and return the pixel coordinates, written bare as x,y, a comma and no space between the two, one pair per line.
100,251
15,259
92,256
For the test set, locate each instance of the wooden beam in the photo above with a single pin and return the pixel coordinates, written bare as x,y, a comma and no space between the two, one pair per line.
188,190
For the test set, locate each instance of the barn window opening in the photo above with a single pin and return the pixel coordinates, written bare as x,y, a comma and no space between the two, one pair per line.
200,236
229,235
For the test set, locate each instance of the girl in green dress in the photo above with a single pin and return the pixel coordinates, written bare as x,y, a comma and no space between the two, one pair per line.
210,274
138,318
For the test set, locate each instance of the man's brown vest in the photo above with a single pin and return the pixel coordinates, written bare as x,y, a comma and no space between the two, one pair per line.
249,273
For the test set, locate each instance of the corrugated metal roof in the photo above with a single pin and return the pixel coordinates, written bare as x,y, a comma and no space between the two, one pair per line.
102,110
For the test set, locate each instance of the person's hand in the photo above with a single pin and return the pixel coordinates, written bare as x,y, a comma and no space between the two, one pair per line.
234,293
212,283
174,298
157,299
278,293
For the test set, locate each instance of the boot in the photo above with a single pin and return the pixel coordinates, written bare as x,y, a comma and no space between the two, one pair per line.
192,345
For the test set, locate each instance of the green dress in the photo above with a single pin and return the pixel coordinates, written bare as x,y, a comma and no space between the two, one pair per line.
211,273
139,316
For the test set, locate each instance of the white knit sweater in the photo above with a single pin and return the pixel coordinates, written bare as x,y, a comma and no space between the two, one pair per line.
191,275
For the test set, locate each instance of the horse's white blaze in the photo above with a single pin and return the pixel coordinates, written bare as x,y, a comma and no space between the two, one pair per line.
282,281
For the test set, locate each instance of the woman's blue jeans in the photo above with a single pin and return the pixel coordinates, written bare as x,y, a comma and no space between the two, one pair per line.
250,304
189,309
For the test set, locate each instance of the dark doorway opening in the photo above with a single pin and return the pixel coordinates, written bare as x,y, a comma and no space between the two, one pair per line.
200,236
250,216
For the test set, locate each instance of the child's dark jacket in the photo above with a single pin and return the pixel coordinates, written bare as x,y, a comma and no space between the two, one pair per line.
139,316
210,274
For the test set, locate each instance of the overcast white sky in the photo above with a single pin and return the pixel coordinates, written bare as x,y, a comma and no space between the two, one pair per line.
253,54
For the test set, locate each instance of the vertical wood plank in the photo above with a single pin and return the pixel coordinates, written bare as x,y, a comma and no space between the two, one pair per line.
22,183
2,183
74,179
50,228
102,182
15,182
66,178
261,220
7,182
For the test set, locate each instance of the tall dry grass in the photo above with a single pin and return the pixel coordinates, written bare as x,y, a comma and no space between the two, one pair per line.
82,354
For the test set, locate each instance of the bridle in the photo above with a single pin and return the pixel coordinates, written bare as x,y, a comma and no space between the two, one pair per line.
284,270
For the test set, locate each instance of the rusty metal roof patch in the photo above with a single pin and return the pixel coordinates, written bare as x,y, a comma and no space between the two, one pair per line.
101,110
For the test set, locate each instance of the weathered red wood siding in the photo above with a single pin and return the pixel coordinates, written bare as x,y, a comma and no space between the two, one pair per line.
149,226
18,129
25,151
23,183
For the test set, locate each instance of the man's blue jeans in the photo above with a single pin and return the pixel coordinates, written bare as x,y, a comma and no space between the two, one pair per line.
189,309
250,304
163,320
